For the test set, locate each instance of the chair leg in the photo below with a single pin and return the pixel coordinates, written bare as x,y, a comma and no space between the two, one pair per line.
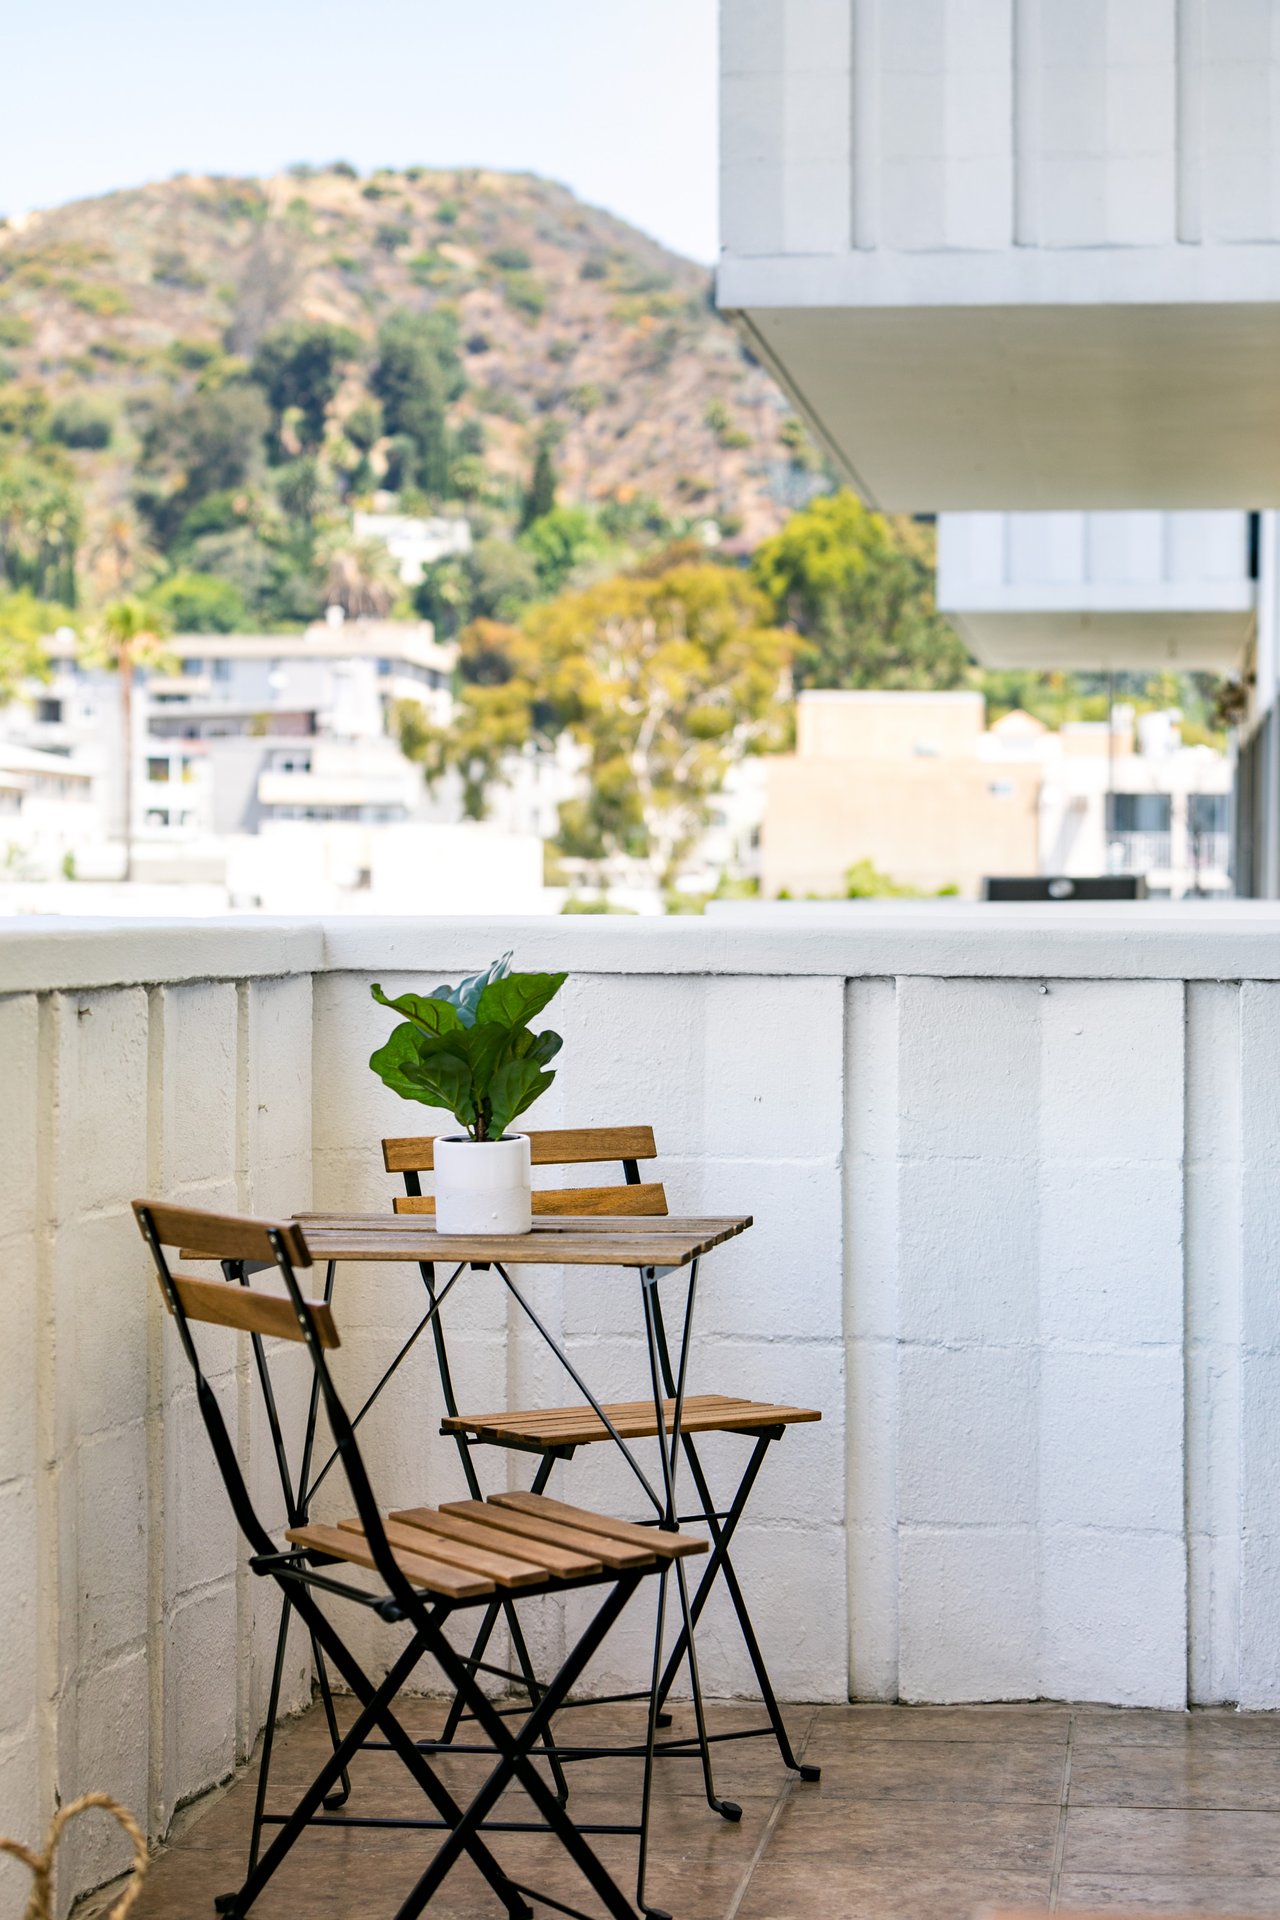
534,1691
515,1763
478,1648
339,1799
720,1565
269,1734
660,1374
651,1912
721,1536
375,1711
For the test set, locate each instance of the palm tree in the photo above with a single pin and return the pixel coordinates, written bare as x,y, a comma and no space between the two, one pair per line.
129,635
360,577
118,554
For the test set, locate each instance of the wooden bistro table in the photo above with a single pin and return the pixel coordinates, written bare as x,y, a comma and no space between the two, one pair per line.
654,1248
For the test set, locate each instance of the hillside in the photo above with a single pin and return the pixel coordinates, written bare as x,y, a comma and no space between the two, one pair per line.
566,327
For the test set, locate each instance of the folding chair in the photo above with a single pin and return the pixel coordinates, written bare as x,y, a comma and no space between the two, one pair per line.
556,1433
427,1565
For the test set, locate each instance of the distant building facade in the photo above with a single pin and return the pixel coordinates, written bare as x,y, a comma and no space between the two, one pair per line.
919,786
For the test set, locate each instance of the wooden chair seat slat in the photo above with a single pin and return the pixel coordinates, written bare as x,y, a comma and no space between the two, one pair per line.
601,1526
611,1553
649,1198
559,1147
448,1526
434,1575
634,1420
489,1563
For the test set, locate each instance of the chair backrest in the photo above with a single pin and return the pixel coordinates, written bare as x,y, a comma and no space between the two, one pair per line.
233,1239
238,1241
565,1147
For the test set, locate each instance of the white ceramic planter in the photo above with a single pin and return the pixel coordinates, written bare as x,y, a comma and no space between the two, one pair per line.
483,1186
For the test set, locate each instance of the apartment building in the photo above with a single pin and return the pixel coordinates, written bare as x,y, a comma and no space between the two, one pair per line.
1022,262
920,787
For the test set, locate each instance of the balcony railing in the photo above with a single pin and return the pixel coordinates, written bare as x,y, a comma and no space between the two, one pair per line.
1014,1187
1139,852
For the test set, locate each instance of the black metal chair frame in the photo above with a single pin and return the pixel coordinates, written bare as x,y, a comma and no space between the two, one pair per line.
303,1573
668,1381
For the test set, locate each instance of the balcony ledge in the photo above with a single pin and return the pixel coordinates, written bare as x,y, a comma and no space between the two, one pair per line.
1201,940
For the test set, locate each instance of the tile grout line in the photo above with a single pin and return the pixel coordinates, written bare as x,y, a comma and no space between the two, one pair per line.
785,1792
1060,1839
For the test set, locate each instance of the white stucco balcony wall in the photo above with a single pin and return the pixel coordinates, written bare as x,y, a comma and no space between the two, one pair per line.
1015,1180
1013,252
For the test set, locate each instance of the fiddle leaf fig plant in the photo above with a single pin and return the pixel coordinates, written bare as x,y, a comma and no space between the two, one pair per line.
470,1049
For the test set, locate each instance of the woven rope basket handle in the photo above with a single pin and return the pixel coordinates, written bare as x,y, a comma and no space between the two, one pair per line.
39,1906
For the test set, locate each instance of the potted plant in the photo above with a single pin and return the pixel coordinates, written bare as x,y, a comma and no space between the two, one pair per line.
470,1050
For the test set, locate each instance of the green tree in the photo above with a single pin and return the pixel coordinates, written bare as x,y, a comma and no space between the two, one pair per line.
859,589
559,542
201,603
40,528
25,623
416,374
495,581
541,497
300,368
665,682
211,442
495,717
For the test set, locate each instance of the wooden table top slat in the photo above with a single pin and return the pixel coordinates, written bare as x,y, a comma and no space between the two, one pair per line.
556,1240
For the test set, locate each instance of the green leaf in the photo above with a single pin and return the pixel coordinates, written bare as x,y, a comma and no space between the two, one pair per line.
542,1047
432,1015
466,995
514,1000
514,1087
419,1067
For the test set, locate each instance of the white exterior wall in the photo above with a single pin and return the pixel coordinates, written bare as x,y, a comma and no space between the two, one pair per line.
926,125
1094,562
1119,591
1012,252
1015,1202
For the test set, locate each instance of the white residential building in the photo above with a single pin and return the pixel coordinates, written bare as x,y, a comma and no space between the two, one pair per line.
1023,260
1014,254
415,543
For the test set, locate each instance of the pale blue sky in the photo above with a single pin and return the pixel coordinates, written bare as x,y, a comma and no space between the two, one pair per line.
617,98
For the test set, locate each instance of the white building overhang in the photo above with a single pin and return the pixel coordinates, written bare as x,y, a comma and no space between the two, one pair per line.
1101,377
1104,642
1091,592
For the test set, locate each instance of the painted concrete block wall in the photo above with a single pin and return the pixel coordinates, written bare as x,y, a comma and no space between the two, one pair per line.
136,1660
1062,1338
1014,1179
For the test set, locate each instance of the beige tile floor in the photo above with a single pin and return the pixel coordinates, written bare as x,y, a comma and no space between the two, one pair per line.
923,1813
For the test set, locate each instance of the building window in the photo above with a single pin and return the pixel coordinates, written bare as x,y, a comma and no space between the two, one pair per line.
193,667
158,771
49,711
222,669
1138,813
1208,813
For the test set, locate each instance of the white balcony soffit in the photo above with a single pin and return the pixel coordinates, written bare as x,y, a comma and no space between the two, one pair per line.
985,405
